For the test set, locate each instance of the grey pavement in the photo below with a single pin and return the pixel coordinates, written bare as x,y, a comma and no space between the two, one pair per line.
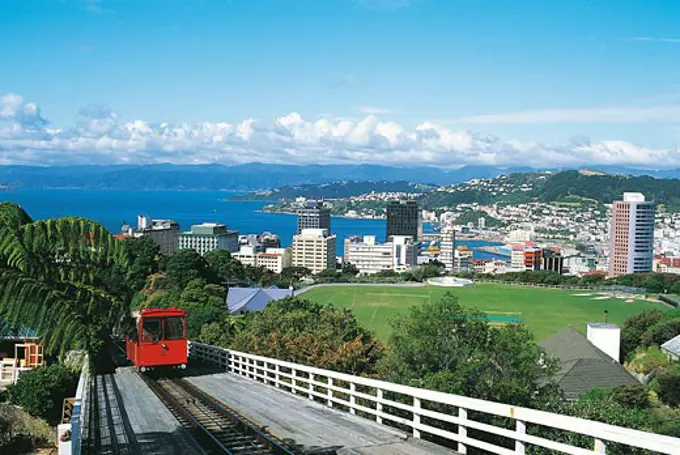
132,420
310,426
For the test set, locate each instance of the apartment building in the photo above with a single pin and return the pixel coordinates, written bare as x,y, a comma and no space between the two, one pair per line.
314,249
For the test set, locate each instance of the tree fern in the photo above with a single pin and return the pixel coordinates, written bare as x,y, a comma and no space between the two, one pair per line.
63,278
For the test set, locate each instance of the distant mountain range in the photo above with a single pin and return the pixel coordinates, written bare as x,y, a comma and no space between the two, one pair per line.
256,176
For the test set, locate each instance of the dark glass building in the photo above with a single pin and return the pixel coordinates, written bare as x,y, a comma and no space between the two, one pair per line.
313,215
403,218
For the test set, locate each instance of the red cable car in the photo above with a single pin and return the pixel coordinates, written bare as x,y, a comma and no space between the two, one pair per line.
159,339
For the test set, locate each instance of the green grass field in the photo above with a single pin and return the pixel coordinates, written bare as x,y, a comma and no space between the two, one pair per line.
545,311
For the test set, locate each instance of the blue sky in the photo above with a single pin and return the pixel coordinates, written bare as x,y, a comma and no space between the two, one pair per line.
441,82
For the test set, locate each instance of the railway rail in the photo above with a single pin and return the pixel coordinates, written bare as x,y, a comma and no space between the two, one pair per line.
218,429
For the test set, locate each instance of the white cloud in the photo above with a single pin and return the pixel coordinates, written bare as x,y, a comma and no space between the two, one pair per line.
631,114
100,137
372,110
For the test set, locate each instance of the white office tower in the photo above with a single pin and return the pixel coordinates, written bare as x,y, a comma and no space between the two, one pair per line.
447,248
314,249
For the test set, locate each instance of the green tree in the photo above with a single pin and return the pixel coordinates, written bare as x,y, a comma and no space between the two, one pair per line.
631,396
301,331
42,390
669,387
634,328
444,346
144,256
64,278
186,265
660,332
226,268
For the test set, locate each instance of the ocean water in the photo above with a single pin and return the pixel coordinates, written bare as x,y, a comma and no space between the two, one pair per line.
114,207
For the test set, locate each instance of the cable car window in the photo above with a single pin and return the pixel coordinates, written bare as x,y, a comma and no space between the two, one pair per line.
151,332
174,328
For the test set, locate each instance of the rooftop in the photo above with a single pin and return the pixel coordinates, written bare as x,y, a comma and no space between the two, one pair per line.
583,366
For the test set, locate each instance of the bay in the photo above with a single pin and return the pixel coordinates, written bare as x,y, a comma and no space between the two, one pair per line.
112,208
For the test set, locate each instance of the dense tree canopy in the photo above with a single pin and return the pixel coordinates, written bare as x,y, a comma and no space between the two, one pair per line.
446,347
298,330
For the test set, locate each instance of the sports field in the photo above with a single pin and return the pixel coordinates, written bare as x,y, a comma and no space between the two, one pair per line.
545,311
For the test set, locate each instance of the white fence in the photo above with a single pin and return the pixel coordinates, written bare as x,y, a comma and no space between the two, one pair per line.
70,435
377,400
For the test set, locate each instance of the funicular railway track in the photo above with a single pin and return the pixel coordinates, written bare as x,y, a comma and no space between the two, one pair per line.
218,429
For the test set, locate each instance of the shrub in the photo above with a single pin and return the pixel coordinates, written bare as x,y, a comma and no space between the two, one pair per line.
41,391
631,396
668,384
19,432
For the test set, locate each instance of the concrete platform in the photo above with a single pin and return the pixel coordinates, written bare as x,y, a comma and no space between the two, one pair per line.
132,420
311,426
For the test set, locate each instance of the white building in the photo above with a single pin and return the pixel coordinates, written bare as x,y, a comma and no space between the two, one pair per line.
207,237
246,255
314,249
369,257
276,259
273,259
517,258
447,246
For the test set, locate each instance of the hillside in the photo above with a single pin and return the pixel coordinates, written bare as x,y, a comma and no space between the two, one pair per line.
254,176
334,190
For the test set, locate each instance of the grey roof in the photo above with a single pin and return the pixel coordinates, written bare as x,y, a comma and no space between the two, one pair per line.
583,366
672,346
240,300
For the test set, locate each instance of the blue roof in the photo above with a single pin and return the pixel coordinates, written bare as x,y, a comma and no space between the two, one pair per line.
240,300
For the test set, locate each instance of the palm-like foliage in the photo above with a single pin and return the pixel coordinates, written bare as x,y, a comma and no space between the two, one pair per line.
62,277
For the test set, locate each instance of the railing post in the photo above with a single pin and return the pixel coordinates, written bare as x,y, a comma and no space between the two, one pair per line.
329,391
293,381
462,430
277,377
352,398
520,428
378,405
311,386
600,446
416,417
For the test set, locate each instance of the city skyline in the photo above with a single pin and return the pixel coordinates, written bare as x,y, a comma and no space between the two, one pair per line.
402,82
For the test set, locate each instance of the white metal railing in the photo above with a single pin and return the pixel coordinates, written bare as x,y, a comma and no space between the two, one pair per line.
70,435
367,397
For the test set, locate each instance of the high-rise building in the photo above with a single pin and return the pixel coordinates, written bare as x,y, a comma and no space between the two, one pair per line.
314,249
403,218
553,260
313,215
369,257
207,237
631,235
447,247
165,233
